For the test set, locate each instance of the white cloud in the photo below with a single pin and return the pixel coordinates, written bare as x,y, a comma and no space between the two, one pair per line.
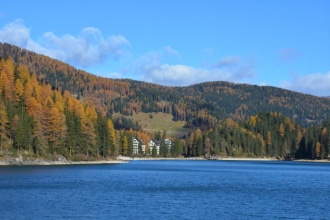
90,48
87,49
181,75
316,84
151,69
15,32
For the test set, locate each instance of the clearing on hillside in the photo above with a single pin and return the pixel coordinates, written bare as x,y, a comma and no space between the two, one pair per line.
151,122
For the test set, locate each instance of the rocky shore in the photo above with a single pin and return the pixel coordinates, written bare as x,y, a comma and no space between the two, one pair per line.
121,159
61,161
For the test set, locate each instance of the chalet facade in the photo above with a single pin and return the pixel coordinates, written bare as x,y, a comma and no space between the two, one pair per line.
154,144
136,144
168,143
141,145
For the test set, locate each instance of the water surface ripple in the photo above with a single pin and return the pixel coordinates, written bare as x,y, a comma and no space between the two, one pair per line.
167,190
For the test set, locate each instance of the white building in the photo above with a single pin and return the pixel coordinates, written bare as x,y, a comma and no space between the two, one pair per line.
136,144
154,144
143,146
168,143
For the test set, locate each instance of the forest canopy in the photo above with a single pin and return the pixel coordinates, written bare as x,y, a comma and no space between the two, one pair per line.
50,108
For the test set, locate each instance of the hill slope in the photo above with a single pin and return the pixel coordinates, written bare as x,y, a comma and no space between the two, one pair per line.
201,105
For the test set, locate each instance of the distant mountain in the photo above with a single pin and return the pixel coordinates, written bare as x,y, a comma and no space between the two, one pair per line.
200,105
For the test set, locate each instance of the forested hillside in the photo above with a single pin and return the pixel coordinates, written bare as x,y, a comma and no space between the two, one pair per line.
201,105
37,120
262,135
48,108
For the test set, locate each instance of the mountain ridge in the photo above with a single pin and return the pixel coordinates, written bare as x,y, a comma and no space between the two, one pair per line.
50,110
4,53
200,105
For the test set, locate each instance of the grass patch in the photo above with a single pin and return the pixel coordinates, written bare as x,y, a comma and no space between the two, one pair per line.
151,122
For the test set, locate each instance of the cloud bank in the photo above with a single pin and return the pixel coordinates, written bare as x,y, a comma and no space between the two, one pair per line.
90,48
151,69
86,49
317,84
179,75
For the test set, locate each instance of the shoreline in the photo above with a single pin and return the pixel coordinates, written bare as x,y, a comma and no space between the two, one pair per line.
59,163
230,159
202,158
121,160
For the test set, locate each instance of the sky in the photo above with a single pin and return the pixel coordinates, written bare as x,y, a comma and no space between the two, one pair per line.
281,43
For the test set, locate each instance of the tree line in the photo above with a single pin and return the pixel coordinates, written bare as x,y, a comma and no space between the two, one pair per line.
202,105
38,120
263,135
40,115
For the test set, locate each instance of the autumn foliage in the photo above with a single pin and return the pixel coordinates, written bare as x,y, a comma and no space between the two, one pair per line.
48,107
41,120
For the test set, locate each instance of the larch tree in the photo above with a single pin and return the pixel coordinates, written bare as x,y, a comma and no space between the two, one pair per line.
317,149
23,74
19,90
56,128
7,70
88,121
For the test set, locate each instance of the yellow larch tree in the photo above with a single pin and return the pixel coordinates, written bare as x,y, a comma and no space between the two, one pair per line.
317,149
23,74
88,130
281,130
59,102
7,72
56,128
19,90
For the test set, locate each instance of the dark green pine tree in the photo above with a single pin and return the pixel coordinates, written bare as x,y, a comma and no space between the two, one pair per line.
216,140
22,132
176,149
102,134
163,148
130,143
327,145
310,152
73,139
198,144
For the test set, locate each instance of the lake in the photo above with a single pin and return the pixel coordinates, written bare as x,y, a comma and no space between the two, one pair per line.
169,189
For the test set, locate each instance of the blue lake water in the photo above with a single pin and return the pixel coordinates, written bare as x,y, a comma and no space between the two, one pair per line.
167,190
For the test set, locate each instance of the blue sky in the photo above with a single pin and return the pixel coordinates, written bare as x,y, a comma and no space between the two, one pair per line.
282,43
